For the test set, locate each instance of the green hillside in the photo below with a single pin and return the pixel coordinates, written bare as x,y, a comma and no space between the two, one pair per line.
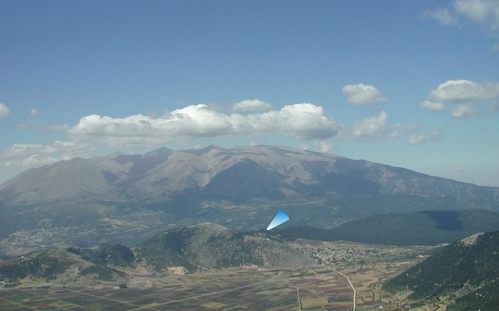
423,228
469,267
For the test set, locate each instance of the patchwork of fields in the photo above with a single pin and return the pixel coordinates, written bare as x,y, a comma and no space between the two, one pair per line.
318,287
234,289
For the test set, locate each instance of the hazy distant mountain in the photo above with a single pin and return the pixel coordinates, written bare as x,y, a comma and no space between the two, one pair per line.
125,198
467,270
236,175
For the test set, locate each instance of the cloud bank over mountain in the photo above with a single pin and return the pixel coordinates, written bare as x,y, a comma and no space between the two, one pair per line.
304,120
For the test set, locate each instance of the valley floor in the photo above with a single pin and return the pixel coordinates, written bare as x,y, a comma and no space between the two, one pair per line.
230,289
322,287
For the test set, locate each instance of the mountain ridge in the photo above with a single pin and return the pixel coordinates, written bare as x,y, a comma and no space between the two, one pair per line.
161,174
125,198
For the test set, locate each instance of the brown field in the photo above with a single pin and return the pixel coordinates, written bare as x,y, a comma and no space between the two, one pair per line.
231,289
248,288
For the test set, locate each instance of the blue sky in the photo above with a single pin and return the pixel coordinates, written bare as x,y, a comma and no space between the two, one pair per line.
84,78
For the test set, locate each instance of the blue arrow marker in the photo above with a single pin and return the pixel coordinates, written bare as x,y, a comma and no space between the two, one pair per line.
279,219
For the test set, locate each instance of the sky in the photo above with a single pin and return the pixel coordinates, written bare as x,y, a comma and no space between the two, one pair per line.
413,84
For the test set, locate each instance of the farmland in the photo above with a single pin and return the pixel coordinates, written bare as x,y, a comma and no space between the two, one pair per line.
231,289
251,287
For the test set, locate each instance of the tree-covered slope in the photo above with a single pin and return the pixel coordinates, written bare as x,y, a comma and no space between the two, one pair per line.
423,228
470,266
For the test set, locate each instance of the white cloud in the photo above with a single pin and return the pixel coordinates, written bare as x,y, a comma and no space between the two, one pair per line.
324,146
251,105
443,16
33,112
370,127
466,95
484,13
465,91
432,105
417,139
303,120
4,110
462,111
362,94
399,130
395,134
23,156
28,149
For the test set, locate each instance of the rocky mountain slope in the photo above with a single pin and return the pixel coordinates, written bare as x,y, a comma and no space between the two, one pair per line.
126,198
210,245
236,175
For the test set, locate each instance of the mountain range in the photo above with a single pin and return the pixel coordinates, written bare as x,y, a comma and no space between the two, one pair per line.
234,175
126,198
